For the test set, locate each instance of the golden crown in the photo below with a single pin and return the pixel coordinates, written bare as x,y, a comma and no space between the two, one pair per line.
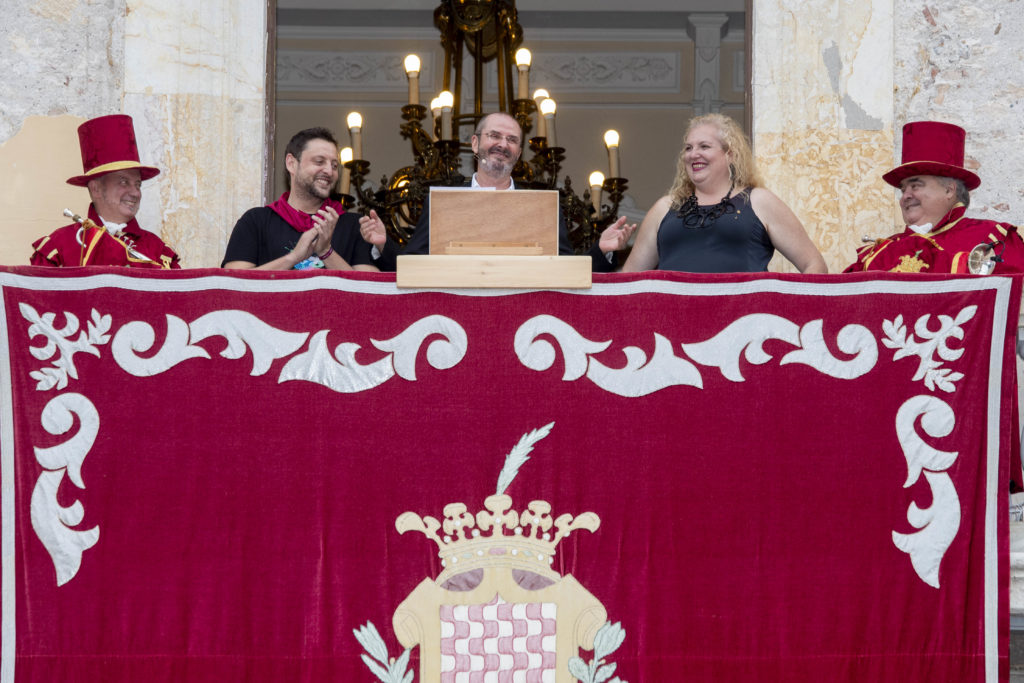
497,536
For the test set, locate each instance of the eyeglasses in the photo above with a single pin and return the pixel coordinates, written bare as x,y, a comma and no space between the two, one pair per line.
497,137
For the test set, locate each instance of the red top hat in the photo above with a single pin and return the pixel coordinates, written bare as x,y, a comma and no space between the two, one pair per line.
932,148
108,144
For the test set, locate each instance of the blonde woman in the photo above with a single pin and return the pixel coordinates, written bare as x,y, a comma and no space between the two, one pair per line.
718,217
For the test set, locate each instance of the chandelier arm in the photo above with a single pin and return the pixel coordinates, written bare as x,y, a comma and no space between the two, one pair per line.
504,75
478,76
579,218
456,66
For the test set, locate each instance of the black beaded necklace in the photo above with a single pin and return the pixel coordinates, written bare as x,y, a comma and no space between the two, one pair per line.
697,217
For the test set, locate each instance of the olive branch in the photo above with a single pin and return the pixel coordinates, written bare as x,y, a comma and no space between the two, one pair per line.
607,641
387,669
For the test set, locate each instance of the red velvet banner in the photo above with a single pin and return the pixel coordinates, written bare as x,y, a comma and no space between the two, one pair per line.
721,478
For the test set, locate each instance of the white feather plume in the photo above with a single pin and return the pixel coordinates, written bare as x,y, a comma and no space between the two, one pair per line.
519,455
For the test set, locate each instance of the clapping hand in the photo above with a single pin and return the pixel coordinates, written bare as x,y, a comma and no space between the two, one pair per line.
324,221
616,236
307,243
372,229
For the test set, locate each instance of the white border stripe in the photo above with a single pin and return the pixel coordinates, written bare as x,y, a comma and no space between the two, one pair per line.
1002,287
992,509
332,282
8,626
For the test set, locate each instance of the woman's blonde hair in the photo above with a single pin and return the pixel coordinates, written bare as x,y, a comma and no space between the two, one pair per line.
743,168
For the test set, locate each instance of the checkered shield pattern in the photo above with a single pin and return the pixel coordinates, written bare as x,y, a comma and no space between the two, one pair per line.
498,642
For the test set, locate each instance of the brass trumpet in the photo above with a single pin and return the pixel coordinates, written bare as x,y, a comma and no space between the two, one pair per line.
84,225
87,229
84,222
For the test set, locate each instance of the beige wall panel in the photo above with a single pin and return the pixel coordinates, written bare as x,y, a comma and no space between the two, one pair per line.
832,186
35,164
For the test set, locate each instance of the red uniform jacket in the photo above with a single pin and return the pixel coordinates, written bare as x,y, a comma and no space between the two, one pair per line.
74,245
943,249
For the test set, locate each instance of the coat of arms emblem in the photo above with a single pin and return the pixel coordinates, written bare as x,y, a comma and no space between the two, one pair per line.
498,610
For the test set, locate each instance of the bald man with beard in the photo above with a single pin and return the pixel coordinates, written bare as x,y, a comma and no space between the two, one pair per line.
497,145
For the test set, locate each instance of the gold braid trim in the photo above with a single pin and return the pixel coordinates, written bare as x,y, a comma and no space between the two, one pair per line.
129,251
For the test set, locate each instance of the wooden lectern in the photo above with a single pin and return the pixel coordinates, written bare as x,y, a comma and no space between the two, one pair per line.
494,238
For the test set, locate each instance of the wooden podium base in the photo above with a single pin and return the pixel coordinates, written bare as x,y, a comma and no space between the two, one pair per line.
528,272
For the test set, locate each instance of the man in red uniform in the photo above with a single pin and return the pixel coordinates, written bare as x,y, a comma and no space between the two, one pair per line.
113,175
935,190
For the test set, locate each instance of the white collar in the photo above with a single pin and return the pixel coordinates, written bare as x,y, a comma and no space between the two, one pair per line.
113,228
477,186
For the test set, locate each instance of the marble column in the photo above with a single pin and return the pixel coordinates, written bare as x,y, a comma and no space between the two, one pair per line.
823,124
194,80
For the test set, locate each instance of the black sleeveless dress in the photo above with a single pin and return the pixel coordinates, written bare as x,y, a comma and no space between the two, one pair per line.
734,242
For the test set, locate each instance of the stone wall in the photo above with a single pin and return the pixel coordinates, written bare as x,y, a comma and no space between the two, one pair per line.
195,83
63,63
69,59
834,83
190,73
962,62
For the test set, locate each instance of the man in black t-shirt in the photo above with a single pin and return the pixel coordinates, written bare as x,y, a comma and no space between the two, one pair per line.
304,228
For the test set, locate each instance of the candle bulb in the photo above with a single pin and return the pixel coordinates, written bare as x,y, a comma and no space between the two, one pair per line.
412,70
446,100
596,182
345,156
355,126
539,95
611,141
523,63
547,109
435,113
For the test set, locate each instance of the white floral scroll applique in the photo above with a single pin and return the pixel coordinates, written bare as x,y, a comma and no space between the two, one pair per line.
342,373
743,337
244,333
51,521
59,343
337,370
938,524
929,344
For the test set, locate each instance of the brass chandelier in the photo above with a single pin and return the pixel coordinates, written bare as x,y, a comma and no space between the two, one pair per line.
487,31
